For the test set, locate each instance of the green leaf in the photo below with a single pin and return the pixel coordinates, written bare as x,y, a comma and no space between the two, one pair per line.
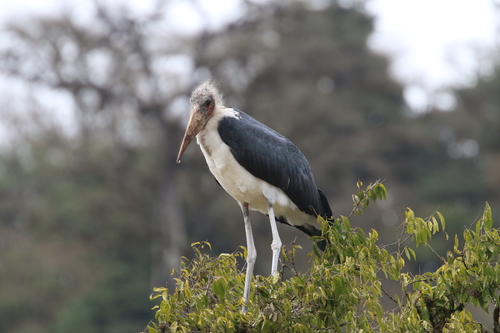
441,219
219,287
382,191
410,253
487,217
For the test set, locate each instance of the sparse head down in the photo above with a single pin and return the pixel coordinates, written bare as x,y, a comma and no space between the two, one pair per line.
204,99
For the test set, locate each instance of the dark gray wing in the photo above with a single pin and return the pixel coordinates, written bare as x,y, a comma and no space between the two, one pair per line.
271,157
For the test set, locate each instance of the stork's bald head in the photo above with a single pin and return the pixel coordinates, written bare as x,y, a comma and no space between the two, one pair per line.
206,94
204,99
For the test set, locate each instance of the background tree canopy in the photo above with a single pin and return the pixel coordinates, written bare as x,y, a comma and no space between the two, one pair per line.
94,212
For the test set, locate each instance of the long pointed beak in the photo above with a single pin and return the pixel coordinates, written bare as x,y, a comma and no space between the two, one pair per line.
195,125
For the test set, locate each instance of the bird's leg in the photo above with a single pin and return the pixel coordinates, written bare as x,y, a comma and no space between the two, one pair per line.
251,255
276,244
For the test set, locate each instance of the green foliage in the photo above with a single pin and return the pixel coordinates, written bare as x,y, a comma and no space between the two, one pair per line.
376,191
345,288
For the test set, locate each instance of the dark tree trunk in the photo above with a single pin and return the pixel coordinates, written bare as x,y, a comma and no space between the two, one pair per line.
168,227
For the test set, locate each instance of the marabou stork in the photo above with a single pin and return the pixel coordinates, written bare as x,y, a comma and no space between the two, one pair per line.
261,169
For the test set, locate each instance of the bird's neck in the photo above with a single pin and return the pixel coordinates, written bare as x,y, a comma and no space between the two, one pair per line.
209,138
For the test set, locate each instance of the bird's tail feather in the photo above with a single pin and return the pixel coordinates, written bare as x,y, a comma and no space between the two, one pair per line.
313,230
327,214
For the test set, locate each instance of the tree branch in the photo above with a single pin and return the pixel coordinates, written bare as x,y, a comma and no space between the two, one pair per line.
496,315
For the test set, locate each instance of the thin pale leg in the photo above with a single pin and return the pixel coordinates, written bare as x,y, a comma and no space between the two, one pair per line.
251,256
276,244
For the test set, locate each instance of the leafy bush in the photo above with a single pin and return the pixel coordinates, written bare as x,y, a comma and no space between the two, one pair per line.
344,287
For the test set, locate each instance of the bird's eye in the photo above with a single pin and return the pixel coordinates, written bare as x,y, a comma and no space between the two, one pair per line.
207,102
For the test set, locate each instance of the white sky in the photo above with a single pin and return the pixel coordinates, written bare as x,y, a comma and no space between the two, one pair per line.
435,43
432,43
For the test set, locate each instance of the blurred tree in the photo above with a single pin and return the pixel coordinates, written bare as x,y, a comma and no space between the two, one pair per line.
470,140
98,189
113,73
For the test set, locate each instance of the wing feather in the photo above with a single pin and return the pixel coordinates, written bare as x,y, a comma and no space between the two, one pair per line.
273,158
